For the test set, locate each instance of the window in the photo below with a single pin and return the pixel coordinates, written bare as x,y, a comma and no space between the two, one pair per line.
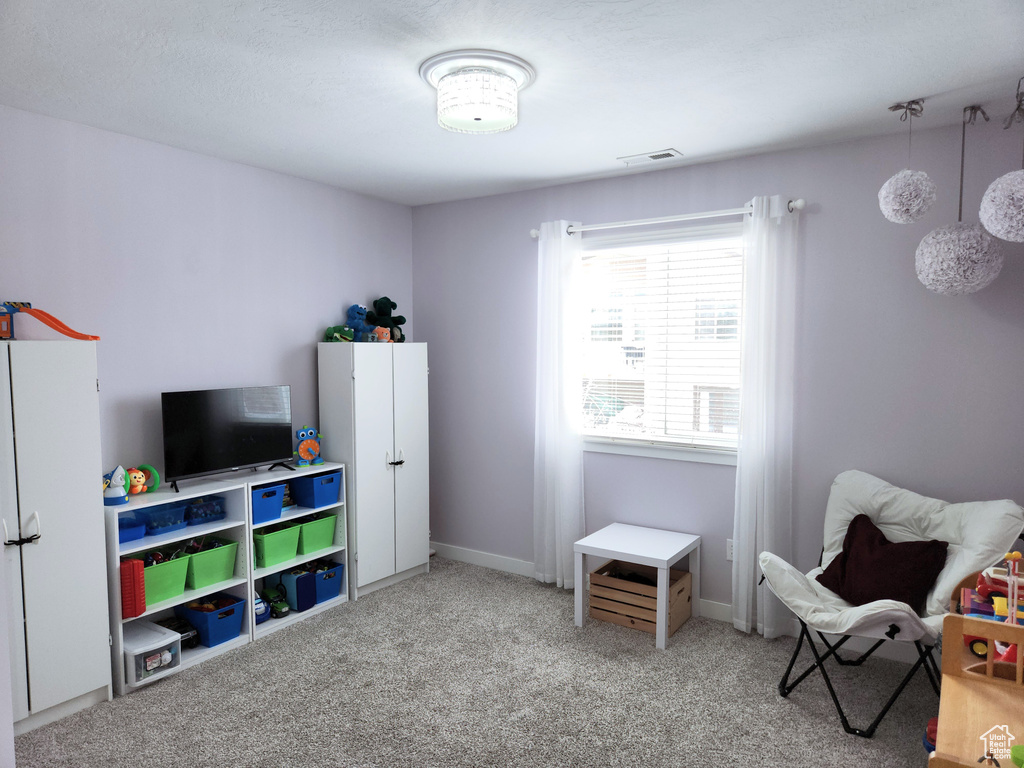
661,337
717,320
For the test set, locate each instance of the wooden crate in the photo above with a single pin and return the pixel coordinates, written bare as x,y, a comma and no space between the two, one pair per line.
631,604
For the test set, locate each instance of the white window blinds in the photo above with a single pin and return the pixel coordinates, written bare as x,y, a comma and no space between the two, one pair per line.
661,340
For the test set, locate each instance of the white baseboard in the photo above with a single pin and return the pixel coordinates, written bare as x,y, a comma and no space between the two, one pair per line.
487,560
709,609
62,710
387,581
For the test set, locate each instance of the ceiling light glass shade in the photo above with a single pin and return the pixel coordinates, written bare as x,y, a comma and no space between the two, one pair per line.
477,100
477,90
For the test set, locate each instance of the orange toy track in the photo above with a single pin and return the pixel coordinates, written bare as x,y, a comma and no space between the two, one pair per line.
47,319
9,308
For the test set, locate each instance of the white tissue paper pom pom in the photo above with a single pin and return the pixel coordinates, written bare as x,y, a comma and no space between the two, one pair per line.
906,196
958,259
1002,207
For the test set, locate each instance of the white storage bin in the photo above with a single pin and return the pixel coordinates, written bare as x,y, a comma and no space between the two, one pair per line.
150,652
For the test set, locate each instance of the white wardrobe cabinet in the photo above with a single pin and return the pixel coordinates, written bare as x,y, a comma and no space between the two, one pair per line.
373,417
51,504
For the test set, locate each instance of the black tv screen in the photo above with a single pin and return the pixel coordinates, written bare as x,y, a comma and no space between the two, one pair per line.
216,430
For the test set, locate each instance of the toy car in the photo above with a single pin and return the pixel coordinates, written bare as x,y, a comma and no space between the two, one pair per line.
261,609
992,581
979,645
274,596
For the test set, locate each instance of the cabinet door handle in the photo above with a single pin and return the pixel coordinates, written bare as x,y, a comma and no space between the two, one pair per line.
9,542
391,463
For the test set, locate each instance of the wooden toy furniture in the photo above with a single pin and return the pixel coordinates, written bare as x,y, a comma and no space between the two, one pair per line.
982,703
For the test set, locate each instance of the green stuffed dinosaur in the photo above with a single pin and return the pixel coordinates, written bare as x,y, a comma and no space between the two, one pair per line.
339,333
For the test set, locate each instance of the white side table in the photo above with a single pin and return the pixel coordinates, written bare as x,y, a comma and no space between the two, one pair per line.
644,546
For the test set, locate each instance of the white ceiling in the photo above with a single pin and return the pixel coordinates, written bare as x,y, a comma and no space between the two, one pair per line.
329,89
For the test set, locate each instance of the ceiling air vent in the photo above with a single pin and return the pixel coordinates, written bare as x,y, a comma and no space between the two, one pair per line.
651,157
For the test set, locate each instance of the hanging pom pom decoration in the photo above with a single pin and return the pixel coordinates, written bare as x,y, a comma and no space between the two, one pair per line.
957,259
1002,207
960,258
908,195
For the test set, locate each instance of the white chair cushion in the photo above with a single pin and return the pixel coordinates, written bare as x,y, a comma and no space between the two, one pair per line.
979,532
823,610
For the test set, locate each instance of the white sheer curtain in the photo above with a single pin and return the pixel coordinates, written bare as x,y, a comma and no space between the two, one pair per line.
764,469
558,446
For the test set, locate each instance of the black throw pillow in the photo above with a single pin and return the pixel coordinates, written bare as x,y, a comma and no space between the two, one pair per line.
871,567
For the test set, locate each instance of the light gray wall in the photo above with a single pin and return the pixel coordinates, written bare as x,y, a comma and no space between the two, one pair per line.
196,273
920,389
203,273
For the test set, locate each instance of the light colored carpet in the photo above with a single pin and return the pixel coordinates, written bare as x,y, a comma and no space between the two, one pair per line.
466,666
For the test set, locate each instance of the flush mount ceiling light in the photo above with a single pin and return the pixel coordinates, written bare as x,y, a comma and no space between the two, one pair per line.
477,90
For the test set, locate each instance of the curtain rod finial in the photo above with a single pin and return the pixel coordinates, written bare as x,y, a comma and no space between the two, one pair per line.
796,205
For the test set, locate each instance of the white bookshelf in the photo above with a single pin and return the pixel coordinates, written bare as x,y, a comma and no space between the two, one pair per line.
246,580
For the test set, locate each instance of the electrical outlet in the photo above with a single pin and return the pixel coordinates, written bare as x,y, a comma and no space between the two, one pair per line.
728,549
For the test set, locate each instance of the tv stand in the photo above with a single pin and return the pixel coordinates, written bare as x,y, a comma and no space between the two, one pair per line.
244,579
281,464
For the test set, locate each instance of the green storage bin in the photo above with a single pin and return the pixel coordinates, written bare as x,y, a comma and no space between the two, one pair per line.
165,580
316,534
275,546
212,566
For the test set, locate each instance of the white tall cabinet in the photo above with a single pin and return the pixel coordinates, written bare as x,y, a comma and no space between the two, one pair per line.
50,486
373,417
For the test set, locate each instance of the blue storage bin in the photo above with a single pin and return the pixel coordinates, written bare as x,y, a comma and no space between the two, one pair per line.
299,588
215,627
267,503
330,582
165,518
130,526
317,490
205,510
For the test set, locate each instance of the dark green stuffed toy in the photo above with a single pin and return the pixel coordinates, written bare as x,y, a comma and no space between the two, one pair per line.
381,316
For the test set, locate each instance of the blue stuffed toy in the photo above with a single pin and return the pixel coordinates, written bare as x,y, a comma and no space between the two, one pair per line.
356,320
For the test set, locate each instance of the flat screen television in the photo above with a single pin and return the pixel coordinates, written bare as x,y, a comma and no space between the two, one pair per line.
218,430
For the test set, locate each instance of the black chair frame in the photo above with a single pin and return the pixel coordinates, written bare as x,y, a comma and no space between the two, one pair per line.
924,659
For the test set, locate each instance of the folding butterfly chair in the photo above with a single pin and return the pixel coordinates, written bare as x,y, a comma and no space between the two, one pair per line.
979,534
